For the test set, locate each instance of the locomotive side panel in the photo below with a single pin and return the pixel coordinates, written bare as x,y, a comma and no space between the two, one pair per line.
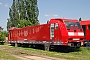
39,33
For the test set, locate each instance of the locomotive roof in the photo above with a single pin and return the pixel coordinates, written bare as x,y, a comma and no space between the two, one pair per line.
65,19
85,22
12,28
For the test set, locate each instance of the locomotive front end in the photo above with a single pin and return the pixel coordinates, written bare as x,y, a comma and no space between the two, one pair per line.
75,33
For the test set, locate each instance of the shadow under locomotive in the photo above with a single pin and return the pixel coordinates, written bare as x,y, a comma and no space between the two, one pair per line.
55,48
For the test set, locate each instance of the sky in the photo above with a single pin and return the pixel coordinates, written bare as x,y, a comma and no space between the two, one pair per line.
72,9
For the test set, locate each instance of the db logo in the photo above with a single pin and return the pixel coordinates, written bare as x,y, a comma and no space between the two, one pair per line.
25,33
76,34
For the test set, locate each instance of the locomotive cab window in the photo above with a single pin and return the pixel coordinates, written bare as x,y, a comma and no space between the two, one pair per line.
74,25
88,27
56,26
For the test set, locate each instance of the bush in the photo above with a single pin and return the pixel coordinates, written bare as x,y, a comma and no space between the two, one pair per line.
5,33
2,36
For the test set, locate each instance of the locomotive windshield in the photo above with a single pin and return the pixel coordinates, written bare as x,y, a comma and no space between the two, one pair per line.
73,25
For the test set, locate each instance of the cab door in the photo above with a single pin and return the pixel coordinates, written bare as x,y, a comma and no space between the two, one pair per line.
57,32
84,29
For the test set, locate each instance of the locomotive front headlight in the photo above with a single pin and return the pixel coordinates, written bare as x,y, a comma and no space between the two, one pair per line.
69,44
82,43
80,34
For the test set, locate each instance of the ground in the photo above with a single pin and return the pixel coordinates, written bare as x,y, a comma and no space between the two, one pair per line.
20,54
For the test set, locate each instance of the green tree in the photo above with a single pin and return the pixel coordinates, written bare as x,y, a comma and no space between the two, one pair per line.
8,24
33,12
14,16
23,10
24,23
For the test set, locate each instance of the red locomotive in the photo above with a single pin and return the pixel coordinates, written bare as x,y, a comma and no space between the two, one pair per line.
86,28
58,31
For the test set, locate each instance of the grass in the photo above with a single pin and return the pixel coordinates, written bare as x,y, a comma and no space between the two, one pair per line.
83,54
6,56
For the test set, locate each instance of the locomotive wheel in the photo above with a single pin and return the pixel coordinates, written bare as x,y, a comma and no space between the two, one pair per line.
46,47
12,44
18,44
